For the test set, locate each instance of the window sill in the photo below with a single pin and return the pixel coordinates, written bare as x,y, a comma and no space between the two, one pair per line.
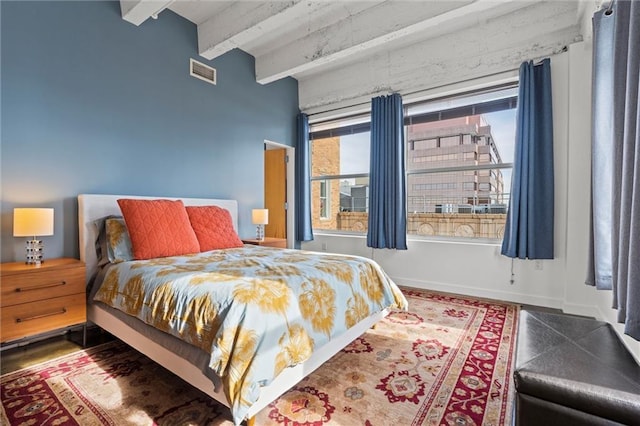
417,238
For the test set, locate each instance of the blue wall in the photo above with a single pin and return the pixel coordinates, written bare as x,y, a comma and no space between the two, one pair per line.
94,104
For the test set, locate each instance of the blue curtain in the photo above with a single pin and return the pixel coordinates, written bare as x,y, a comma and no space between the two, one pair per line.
615,189
304,231
387,192
529,228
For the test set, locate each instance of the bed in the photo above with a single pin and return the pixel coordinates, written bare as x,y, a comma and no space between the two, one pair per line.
198,360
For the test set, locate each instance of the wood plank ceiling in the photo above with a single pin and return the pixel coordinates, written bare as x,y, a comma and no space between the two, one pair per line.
342,52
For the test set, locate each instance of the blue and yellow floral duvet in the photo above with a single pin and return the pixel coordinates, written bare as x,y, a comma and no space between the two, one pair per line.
256,310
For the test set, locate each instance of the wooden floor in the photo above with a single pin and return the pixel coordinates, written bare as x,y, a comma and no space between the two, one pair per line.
28,354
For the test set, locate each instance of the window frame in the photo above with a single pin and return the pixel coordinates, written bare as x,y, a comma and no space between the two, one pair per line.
362,123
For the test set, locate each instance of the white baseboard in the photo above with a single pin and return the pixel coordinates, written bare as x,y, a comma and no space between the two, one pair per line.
583,310
481,292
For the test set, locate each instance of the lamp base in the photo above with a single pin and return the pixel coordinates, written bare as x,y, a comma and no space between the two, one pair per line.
260,233
34,252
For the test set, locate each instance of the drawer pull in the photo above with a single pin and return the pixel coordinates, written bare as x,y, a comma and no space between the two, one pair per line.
63,311
40,287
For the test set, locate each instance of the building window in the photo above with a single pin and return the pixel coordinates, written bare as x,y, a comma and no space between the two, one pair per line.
450,141
459,156
473,156
325,200
425,144
429,186
469,186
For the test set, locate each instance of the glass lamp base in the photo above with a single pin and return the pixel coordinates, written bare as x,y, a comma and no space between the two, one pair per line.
260,233
34,252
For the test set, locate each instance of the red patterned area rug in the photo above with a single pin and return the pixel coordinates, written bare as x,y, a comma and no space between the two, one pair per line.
447,361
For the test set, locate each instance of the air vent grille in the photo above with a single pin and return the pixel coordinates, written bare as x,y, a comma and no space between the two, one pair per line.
202,71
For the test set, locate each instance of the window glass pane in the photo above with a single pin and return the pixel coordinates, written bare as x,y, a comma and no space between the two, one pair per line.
340,150
469,186
325,201
354,153
450,141
473,201
471,210
451,151
343,208
425,144
340,155
343,126
503,131
428,191
462,101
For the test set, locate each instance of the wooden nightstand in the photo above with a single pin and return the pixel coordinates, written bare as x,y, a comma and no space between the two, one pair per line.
39,299
267,242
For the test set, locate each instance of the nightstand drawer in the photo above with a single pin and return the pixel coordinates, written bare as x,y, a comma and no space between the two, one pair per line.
42,316
34,286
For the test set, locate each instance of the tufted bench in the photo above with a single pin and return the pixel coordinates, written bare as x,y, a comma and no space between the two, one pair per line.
573,371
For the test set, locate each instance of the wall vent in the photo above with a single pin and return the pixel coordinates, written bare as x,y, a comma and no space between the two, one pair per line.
202,71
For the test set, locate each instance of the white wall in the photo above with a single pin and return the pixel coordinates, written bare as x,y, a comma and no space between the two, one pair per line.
479,269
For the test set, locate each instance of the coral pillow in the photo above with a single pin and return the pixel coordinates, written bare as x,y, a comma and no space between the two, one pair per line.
158,228
213,227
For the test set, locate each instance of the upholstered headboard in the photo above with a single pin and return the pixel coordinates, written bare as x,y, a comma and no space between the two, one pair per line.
95,206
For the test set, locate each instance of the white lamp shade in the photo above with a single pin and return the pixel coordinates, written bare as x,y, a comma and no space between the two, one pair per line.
32,222
260,216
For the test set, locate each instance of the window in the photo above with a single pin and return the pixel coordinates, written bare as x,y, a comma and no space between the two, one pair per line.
469,186
459,155
478,128
449,141
325,200
425,144
423,186
340,174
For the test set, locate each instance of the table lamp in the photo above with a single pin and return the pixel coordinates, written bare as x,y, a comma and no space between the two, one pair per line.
260,217
32,222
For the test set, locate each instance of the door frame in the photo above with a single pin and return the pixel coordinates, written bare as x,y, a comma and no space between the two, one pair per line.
291,189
